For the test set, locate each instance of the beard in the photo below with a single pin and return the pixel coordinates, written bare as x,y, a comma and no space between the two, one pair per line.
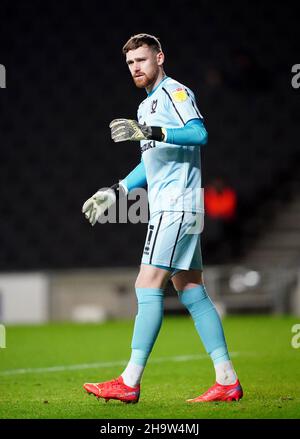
145,80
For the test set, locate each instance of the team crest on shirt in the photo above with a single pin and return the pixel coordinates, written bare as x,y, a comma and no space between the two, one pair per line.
153,106
179,95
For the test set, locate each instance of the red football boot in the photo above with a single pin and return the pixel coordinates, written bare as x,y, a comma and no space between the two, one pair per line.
114,389
217,392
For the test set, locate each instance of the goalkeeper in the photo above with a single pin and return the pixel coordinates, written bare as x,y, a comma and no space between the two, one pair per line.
171,132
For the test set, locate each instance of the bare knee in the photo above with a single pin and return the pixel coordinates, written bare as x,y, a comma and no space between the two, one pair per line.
185,280
152,277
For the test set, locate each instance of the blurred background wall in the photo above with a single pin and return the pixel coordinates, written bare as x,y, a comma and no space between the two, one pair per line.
66,79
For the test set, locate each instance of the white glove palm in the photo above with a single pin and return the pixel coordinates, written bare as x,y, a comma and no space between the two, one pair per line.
95,206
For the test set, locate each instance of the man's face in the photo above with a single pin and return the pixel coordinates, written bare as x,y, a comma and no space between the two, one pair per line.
143,64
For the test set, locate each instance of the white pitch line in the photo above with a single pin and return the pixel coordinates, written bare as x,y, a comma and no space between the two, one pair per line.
103,365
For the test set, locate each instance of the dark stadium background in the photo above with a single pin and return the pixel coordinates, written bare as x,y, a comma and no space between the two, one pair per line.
67,79
67,296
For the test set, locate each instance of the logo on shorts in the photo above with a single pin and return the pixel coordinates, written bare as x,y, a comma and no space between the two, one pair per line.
147,246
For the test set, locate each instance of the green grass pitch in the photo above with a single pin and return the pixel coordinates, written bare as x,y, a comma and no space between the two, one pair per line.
56,359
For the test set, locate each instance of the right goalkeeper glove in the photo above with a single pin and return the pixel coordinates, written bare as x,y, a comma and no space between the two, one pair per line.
128,129
95,206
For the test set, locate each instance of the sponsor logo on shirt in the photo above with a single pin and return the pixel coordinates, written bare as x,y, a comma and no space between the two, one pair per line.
179,95
147,145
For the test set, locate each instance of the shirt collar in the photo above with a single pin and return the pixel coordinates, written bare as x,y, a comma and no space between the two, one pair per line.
155,88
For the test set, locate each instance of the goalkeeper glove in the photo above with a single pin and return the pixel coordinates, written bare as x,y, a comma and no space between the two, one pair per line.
102,200
127,129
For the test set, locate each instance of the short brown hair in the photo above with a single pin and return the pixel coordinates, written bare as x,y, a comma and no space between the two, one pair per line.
139,40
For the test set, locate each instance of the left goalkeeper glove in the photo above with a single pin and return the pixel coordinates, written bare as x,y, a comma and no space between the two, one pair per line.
102,200
127,129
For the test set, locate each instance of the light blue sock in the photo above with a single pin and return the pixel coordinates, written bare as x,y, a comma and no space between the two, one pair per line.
207,322
147,323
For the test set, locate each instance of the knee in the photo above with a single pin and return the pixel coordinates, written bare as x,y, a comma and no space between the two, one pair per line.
143,282
188,280
151,277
